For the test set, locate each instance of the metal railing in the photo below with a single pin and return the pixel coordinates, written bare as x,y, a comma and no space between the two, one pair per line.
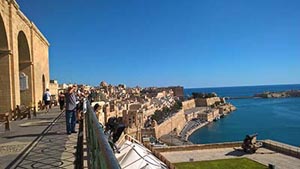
100,154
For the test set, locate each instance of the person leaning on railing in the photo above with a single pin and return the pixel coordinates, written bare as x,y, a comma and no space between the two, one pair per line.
81,97
71,109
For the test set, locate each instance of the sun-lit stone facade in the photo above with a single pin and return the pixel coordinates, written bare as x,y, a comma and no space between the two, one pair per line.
24,62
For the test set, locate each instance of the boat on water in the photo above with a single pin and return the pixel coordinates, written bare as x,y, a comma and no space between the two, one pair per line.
217,118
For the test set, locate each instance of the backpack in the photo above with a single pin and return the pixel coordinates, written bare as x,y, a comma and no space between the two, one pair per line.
45,97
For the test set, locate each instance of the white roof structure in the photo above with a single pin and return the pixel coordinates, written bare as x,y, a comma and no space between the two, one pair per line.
135,155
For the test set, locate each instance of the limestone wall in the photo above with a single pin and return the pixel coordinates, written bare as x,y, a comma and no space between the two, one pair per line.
41,68
22,49
175,122
188,104
53,88
282,148
199,147
227,108
6,88
206,101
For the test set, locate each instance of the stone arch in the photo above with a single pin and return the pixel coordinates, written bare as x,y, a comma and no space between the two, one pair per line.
25,70
43,83
5,95
3,42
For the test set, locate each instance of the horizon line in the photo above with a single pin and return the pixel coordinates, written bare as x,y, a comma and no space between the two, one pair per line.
242,86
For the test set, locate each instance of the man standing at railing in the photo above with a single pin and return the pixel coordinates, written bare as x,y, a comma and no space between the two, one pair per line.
71,109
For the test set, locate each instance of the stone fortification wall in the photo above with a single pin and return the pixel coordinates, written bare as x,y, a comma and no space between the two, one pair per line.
282,148
199,146
188,104
227,108
175,122
200,102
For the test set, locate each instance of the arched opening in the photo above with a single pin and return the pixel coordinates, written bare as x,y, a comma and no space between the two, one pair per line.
24,70
5,96
44,84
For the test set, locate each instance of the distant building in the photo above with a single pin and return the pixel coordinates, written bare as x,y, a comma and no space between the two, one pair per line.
208,115
63,86
207,101
188,104
178,91
193,113
53,88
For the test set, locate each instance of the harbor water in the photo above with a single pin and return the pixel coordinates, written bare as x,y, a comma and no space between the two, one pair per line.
277,119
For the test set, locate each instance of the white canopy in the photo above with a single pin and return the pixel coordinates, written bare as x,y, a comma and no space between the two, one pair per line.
135,156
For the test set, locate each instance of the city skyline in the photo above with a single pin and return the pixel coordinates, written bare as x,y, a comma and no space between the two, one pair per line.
167,43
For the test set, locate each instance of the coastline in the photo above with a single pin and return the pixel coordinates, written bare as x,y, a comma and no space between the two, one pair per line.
174,140
250,106
197,117
189,133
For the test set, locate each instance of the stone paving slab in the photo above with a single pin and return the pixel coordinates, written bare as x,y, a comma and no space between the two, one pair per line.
263,156
29,148
13,142
56,149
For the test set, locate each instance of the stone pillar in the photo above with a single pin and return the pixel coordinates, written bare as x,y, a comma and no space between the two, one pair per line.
5,83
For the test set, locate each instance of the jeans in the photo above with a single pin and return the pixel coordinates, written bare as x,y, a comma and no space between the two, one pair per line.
70,120
61,105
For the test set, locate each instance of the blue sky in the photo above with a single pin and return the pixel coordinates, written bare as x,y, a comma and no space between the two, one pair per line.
194,43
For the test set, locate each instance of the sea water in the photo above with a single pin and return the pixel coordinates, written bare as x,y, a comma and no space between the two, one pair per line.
277,119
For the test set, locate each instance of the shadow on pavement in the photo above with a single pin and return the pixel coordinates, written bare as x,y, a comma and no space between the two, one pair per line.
236,152
53,149
34,135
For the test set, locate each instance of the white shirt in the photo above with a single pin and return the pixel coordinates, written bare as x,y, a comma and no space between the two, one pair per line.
48,94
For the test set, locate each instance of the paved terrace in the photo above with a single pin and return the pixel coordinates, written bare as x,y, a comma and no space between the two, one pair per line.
40,142
263,155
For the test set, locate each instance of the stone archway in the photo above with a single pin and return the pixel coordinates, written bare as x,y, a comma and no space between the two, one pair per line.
44,84
25,68
5,95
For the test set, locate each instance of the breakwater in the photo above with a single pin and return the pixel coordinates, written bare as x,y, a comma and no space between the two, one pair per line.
241,97
282,94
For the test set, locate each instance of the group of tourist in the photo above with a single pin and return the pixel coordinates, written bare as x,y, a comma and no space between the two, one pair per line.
72,101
